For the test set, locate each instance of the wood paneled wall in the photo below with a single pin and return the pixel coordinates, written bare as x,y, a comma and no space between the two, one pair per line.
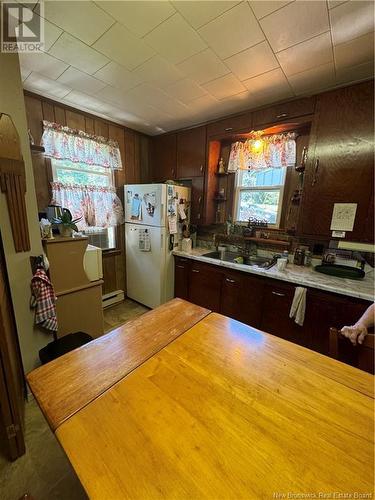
134,155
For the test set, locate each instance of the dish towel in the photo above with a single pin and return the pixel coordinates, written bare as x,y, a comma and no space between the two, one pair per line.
298,308
43,299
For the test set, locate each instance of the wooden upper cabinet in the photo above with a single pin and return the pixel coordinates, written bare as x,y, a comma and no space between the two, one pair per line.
278,113
163,157
197,199
340,168
191,153
229,125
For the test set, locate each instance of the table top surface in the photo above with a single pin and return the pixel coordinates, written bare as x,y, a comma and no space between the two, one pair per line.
67,384
226,411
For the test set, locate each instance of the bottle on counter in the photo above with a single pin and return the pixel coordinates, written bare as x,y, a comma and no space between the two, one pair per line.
299,257
286,255
308,258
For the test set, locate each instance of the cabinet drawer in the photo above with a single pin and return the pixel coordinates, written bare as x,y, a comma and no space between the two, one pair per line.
230,125
282,112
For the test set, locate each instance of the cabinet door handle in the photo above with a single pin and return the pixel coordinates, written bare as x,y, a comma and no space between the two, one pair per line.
315,178
278,294
180,267
200,200
195,270
229,280
282,115
182,260
198,216
202,168
228,129
172,171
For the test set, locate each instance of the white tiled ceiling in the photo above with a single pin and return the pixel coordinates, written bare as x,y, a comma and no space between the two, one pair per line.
160,65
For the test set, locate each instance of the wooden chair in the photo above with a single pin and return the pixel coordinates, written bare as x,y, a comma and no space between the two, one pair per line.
360,355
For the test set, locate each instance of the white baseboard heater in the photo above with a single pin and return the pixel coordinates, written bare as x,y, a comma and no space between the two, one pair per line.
111,298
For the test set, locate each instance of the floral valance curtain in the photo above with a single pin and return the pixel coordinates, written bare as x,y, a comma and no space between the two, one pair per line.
262,152
64,143
99,207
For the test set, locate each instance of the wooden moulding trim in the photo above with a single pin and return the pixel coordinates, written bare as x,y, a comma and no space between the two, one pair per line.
60,239
80,288
13,182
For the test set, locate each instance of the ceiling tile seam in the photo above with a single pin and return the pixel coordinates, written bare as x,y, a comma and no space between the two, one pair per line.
217,55
57,39
303,41
197,54
158,25
125,110
243,50
274,54
80,41
331,38
339,5
213,19
196,32
104,32
314,67
132,32
279,8
219,78
352,39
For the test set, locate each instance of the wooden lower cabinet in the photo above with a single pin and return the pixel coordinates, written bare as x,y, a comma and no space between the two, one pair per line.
277,299
204,285
181,278
264,303
241,297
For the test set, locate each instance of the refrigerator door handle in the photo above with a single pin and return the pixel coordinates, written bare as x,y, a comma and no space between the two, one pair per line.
161,240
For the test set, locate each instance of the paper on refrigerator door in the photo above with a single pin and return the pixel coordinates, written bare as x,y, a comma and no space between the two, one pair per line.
144,240
172,224
181,211
150,203
136,208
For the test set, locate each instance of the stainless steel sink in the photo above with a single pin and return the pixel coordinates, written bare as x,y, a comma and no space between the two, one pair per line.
248,261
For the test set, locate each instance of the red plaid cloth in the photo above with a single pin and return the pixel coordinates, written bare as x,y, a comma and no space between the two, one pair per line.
43,299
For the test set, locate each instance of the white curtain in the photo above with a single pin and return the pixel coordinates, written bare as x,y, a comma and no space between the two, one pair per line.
262,152
64,143
98,206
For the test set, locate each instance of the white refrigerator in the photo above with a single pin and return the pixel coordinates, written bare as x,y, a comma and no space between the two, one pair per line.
155,216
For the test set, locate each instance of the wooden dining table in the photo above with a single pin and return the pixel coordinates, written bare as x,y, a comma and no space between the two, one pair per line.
187,403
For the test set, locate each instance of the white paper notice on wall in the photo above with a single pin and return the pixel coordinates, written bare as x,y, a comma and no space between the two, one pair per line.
343,216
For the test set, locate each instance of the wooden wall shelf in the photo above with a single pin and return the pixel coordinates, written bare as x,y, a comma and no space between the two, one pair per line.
267,241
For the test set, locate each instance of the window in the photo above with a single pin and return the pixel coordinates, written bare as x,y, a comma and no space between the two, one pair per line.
259,194
82,174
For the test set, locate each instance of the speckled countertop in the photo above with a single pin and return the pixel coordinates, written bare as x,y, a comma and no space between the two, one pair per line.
304,276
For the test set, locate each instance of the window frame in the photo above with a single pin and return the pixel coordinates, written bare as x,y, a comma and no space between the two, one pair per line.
111,176
238,189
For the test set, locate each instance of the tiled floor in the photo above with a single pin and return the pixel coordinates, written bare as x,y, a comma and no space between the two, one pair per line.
44,471
119,314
